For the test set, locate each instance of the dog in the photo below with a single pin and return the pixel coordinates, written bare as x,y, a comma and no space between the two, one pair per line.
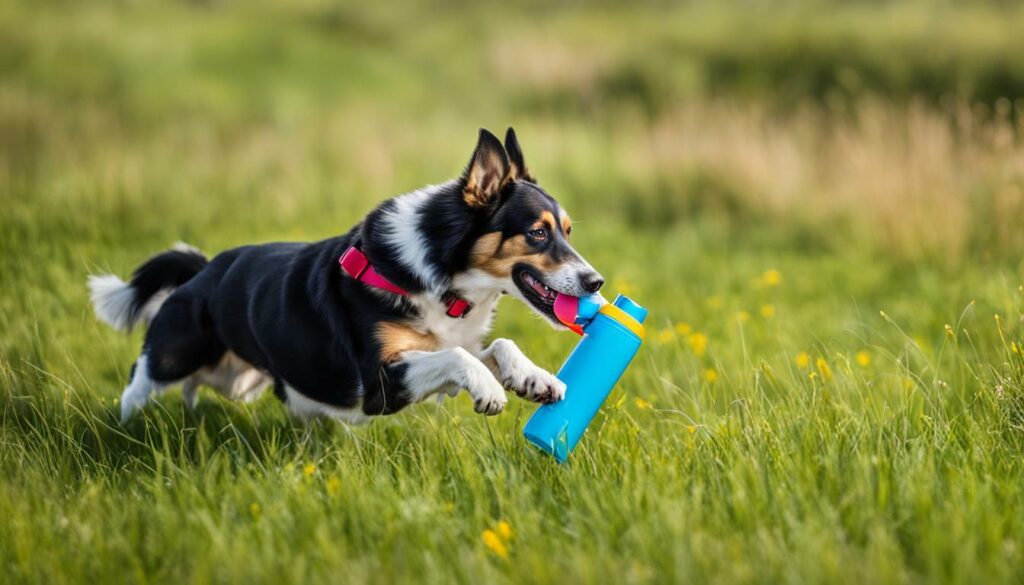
362,325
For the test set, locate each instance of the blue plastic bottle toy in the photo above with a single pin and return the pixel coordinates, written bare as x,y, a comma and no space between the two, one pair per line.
612,334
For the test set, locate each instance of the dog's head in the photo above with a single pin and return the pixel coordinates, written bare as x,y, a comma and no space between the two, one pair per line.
524,248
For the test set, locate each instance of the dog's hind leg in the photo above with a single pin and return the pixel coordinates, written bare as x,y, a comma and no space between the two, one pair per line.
177,346
190,392
139,389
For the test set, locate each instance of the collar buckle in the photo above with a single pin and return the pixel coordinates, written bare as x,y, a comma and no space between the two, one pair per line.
354,262
457,306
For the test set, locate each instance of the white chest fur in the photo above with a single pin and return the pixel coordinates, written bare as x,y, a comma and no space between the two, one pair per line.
467,332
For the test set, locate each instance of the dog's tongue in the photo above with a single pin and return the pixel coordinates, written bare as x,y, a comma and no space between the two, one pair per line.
566,309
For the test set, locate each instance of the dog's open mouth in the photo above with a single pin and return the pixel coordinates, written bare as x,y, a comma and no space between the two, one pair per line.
545,294
540,295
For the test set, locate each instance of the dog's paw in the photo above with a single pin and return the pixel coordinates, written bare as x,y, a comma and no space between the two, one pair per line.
523,377
490,399
538,385
130,406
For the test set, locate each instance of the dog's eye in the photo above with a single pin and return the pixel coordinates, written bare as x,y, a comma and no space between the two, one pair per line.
538,234
568,231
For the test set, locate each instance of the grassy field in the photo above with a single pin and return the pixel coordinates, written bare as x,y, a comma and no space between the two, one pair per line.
820,205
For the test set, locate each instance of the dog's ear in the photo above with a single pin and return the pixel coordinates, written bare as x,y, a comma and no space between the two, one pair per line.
487,173
515,157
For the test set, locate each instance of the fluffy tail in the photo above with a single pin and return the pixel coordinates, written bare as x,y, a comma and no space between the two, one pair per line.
122,305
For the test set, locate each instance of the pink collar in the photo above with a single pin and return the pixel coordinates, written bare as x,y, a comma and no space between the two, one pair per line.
358,266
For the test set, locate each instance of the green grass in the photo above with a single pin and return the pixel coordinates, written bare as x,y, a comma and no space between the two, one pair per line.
821,426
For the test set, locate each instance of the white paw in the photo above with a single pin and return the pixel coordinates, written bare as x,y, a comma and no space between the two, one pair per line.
130,404
489,398
538,385
190,396
523,377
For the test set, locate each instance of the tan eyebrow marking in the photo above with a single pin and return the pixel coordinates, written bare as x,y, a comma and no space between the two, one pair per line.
566,223
548,218
493,255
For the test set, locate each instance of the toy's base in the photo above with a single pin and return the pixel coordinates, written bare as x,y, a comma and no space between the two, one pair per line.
557,448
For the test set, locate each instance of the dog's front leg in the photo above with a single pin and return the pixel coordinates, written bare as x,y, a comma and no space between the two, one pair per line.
430,372
520,375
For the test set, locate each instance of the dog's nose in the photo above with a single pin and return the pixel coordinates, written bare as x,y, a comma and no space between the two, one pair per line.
591,281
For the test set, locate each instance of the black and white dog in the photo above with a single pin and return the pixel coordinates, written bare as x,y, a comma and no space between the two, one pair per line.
362,324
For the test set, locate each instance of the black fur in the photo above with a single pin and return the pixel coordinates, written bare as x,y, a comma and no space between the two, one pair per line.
166,270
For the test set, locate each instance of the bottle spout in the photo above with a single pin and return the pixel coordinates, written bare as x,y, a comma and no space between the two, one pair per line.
631,308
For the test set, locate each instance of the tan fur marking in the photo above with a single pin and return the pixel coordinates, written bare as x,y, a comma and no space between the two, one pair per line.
566,224
483,181
516,173
395,338
485,247
548,218
497,258
513,170
515,247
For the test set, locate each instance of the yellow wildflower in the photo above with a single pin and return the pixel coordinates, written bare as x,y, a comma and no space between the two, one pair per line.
683,328
309,470
823,369
768,311
742,316
641,403
504,530
333,486
802,360
254,509
771,277
692,429
715,302
863,358
666,335
711,375
698,343
1015,347
493,541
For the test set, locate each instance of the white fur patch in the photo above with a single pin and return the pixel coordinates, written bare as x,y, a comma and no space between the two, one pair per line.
152,306
306,409
136,395
112,300
187,248
468,331
567,278
402,228
430,372
521,375
234,378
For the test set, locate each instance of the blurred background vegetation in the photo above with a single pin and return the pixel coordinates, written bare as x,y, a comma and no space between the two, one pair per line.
765,176
895,124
